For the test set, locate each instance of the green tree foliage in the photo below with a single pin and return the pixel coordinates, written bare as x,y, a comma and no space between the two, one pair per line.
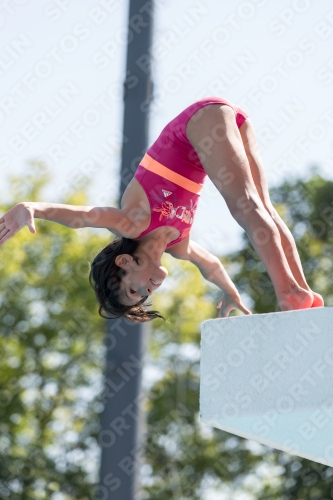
52,359
186,458
51,351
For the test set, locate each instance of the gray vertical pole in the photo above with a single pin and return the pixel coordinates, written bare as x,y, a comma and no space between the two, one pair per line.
119,437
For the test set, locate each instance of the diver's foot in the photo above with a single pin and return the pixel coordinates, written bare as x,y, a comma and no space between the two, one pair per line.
297,298
318,301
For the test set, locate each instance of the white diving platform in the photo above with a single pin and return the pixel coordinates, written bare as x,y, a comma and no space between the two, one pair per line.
269,378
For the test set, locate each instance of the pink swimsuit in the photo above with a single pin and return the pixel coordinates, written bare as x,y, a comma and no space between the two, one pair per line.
171,172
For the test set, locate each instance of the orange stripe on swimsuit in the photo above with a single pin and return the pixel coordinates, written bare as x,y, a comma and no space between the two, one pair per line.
154,166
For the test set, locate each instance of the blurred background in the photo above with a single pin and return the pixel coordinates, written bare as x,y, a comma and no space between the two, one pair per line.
62,68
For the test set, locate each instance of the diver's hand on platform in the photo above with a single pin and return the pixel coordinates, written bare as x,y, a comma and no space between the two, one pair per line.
12,221
228,303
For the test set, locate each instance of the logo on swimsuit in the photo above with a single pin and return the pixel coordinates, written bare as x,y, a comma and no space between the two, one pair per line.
166,193
169,212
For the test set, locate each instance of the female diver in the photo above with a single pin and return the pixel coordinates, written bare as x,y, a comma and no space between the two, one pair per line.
210,137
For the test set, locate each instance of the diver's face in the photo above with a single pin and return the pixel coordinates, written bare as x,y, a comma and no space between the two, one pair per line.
143,277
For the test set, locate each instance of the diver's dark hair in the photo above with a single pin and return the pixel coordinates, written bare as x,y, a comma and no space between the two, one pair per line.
105,277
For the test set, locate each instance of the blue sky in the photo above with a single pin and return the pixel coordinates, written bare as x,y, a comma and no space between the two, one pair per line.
62,66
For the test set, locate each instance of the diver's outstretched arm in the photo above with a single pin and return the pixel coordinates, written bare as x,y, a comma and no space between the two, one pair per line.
24,213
